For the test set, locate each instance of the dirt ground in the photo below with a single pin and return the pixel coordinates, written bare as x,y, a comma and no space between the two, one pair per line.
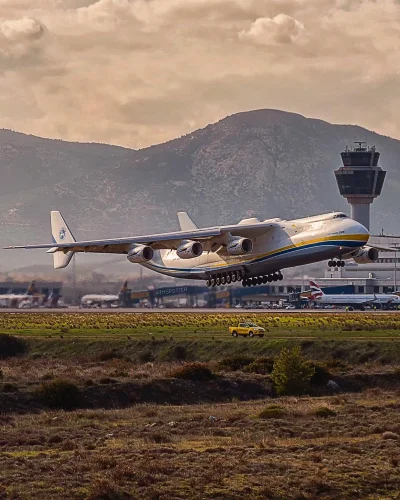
223,451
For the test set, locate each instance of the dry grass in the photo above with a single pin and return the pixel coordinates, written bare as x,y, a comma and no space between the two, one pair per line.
173,452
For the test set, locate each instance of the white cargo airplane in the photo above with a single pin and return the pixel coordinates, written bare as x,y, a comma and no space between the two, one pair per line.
353,300
251,251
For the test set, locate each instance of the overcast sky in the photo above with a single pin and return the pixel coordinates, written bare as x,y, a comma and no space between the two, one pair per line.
139,72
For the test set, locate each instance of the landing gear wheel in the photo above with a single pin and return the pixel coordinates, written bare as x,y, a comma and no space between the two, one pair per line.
229,279
208,282
275,277
244,283
218,281
269,278
330,263
223,280
280,276
259,280
213,282
234,277
265,280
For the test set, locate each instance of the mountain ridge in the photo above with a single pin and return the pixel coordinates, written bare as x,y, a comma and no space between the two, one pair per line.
267,162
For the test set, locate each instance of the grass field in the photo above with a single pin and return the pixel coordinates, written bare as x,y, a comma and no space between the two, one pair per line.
139,432
198,325
207,452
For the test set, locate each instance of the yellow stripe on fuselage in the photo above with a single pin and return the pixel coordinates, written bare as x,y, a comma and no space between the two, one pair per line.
341,237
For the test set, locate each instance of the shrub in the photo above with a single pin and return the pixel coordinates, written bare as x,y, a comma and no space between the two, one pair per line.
292,372
108,355
9,387
272,411
194,371
146,357
180,353
11,346
260,365
321,374
235,363
59,393
103,489
324,411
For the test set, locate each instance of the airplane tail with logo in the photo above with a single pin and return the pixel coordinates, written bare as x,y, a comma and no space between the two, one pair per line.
316,291
60,233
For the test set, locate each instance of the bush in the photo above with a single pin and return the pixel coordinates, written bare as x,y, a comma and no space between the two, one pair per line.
321,374
235,363
103,489
194,371
292,372
324,411
10,387
60,394
146,357
261,366
11,346
180,353
108,355
272,411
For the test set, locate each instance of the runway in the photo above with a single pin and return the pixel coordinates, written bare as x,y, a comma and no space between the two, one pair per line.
239,311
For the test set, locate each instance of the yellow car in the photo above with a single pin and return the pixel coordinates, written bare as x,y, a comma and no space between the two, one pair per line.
247,330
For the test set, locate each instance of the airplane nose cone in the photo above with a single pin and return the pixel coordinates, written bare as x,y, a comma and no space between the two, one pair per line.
358,230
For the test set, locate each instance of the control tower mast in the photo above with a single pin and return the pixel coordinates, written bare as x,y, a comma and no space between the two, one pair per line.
360,180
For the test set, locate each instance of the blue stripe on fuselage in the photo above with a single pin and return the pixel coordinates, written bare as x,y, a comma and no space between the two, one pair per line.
263,259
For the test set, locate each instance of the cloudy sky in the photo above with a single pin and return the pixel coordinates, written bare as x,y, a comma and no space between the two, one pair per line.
139,72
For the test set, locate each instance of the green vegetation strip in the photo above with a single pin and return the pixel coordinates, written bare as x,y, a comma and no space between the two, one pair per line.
199,325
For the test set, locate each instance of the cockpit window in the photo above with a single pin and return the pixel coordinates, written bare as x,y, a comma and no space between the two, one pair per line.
340,216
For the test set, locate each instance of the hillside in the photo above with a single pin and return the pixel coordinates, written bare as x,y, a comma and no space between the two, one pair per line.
267,162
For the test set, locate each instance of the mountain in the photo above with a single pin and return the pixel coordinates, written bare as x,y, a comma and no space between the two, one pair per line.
266,162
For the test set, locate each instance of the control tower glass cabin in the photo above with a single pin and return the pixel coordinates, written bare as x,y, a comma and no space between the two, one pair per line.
360,180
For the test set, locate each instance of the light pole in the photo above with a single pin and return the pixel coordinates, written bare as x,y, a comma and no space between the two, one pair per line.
395,269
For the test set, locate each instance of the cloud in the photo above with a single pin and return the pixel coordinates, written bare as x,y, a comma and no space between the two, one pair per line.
20,29
138,72
280,29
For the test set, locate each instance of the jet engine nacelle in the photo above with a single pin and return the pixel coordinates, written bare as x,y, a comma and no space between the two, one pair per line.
140,253
189,249
239,246
366,255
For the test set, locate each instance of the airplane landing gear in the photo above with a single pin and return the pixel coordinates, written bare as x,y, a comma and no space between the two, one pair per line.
233,276
224,278
334,263
259,280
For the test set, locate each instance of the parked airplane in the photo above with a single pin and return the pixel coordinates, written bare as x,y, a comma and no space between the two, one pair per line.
31,298
251,251
353,300
99,300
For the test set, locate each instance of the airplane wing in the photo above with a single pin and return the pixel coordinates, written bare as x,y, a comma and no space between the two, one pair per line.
158,241
383,248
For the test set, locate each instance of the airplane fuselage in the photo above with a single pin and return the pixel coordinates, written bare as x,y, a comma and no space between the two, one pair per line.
293,243
358,299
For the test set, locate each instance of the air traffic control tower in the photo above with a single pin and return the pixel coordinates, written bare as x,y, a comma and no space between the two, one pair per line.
360,180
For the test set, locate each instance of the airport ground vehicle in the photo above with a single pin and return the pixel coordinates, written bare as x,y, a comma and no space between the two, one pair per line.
247,330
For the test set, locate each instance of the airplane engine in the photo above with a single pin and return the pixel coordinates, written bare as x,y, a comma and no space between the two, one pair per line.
366,255
239,246
189,249
140,253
